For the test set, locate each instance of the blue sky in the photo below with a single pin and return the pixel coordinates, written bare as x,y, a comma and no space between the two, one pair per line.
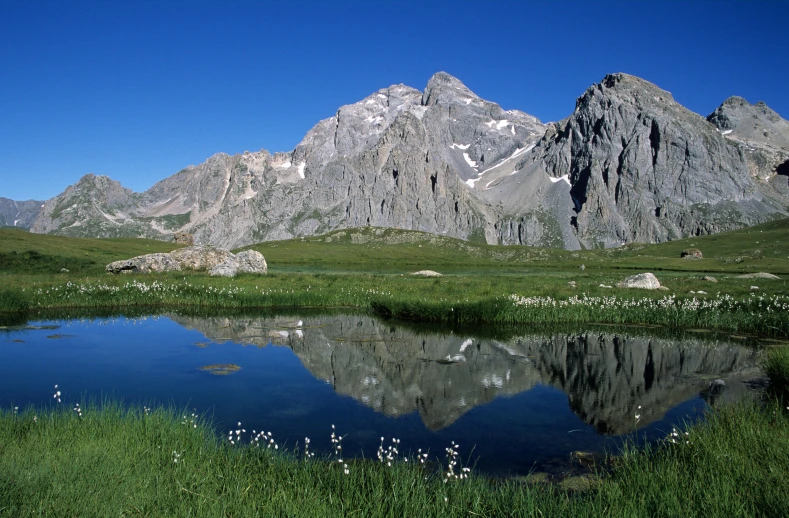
137,90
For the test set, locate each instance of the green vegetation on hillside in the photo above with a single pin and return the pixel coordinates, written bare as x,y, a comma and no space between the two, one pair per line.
23,252
760,248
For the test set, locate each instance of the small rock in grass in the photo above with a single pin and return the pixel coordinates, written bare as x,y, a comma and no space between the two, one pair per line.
571,284
64,270
427,273
691,253
709,278
754,287
605,286
646,281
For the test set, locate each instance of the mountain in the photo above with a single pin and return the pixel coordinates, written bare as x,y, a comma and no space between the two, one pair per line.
634,165
18,213
630,164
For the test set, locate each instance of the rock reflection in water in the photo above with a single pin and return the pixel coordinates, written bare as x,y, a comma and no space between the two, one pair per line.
396,371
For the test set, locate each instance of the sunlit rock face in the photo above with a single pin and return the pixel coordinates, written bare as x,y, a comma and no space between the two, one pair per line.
629,164
396,370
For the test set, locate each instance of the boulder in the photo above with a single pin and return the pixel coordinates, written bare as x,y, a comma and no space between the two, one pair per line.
691,253
709,278
192,258
427,273
645,281
757,275
248,261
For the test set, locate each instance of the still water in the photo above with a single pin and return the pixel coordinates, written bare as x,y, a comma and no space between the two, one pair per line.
514,405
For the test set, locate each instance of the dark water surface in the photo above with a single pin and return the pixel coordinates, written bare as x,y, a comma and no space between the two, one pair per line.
513,405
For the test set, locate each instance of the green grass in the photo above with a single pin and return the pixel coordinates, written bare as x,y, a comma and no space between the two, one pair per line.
367,269
776,366
119,461
23,252
760,248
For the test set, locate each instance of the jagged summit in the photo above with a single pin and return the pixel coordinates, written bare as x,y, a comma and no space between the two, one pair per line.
444,88
757,123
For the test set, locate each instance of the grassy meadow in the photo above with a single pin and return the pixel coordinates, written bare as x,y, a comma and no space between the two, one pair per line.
369,270
105,458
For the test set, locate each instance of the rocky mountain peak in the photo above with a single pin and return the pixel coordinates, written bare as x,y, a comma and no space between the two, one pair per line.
629,89
443,88
754,124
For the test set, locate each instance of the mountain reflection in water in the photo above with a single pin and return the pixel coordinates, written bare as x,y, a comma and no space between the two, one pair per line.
608,377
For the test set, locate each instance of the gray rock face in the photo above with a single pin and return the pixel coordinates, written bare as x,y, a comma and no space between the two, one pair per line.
646,281
247,261
634,165
630,164
188,258
18,213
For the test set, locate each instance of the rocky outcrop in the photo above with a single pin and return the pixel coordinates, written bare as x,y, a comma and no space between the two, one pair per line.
630,164
200,258
19,214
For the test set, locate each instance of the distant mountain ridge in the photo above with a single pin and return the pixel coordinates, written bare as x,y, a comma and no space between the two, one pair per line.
630,164
18,213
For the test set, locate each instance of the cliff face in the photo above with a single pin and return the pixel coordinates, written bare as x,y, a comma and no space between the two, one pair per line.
442,376
637,166
630,164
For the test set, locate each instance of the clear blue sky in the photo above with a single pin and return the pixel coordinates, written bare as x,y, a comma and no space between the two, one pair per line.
137,90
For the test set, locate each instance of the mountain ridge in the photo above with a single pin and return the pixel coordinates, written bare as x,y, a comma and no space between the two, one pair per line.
630,164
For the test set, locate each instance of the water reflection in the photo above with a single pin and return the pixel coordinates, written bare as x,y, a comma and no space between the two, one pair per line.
606,376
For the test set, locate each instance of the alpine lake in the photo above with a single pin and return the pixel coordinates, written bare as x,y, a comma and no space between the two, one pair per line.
514,403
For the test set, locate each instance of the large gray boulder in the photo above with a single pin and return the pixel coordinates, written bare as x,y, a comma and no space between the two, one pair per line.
248,261
188,258
646,281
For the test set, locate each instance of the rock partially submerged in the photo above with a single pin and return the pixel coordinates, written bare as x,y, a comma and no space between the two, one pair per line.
216,261
646,281
757,275
427,273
